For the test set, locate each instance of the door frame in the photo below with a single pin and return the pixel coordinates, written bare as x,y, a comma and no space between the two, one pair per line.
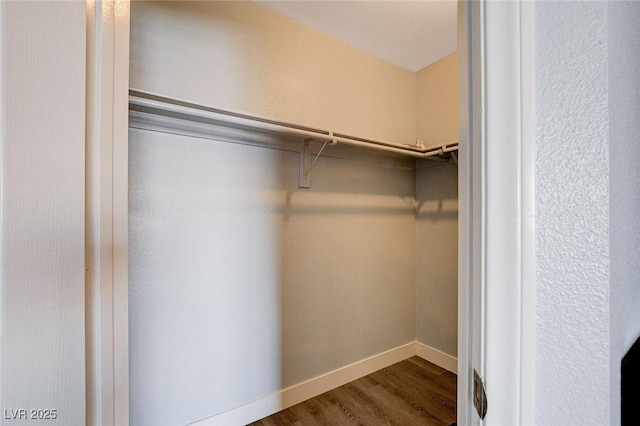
496,304
497,294
106,208
469,202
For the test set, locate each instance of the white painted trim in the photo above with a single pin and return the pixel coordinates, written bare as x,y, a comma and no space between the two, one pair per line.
121,211
437,357
107,350
471,208
527,199
501,141
301,392
311,388
496,291
509,143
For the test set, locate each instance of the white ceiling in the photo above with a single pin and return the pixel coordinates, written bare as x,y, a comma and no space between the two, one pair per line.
409,34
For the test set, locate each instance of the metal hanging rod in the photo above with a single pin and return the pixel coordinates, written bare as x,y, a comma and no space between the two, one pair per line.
156,104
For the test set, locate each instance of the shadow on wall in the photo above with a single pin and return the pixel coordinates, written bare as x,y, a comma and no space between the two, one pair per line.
437,191
437,257
242,284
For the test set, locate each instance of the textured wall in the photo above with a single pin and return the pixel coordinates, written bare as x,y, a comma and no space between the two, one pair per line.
241,284
572,214
241,56
624,132
42,97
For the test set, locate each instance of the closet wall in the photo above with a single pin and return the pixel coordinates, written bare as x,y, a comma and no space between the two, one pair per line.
241,56
242,284
437,210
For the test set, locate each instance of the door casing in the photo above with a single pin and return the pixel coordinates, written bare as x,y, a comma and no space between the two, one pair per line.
496,298
497,294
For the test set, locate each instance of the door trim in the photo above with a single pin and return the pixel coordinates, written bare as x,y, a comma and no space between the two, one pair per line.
495,303
470,208
106,212
497,210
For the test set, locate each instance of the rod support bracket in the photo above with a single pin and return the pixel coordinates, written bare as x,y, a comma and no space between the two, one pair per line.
304,165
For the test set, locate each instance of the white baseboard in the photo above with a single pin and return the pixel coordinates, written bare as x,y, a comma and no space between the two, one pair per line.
437,357
301,392
293,395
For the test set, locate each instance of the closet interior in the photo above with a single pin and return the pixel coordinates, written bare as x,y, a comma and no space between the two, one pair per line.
293,212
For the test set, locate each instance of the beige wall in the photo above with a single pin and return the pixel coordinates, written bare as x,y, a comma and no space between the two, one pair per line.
264,285
437,211
241,56
437,88
437,257
242,284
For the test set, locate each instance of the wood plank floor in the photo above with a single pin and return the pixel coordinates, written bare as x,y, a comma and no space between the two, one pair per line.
411,392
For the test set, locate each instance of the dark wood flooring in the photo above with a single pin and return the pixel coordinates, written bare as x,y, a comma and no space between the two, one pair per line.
411,392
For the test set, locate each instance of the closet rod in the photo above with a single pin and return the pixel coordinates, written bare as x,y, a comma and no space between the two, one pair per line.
159,105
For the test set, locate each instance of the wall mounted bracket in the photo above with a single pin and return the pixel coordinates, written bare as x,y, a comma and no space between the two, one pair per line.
306,164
